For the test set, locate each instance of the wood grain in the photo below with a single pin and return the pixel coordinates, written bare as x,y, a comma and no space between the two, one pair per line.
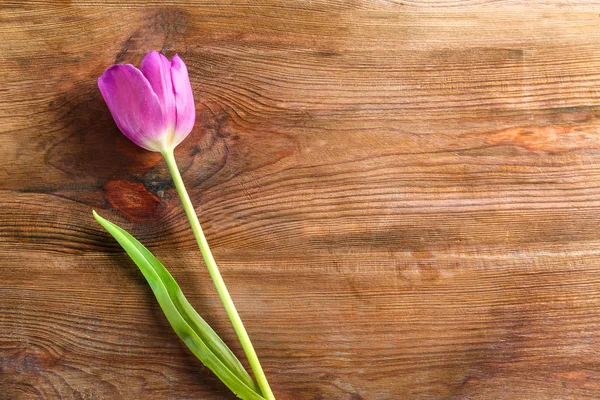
403,197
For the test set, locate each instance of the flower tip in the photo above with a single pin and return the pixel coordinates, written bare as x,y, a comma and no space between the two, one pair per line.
109,74
177,62
152,60
110,69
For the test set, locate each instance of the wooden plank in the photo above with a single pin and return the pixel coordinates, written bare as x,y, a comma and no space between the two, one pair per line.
403,198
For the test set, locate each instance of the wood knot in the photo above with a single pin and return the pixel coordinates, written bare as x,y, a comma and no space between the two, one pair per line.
132,198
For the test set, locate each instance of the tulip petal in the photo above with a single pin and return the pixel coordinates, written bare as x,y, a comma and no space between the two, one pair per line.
184,100
157,69
133,105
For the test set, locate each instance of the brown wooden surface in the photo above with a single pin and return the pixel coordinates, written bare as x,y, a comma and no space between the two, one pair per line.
404,198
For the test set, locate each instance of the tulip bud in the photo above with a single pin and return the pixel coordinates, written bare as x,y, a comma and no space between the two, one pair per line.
153,106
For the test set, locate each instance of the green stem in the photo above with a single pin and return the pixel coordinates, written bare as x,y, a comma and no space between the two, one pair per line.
236,321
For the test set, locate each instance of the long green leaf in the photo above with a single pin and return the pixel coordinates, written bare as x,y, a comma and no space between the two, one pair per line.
200,338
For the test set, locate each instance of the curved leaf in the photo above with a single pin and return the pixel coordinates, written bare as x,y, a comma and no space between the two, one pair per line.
200,338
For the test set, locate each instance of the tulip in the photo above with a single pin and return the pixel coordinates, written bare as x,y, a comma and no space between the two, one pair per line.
154,107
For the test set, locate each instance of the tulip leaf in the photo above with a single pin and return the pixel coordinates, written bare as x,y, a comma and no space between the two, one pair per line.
199,337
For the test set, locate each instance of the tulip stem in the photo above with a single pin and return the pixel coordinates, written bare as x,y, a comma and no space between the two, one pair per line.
213,270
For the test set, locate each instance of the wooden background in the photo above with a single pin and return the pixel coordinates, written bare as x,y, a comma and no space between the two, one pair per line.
404,198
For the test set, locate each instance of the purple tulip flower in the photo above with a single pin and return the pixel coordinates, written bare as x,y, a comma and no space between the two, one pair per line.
154,105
